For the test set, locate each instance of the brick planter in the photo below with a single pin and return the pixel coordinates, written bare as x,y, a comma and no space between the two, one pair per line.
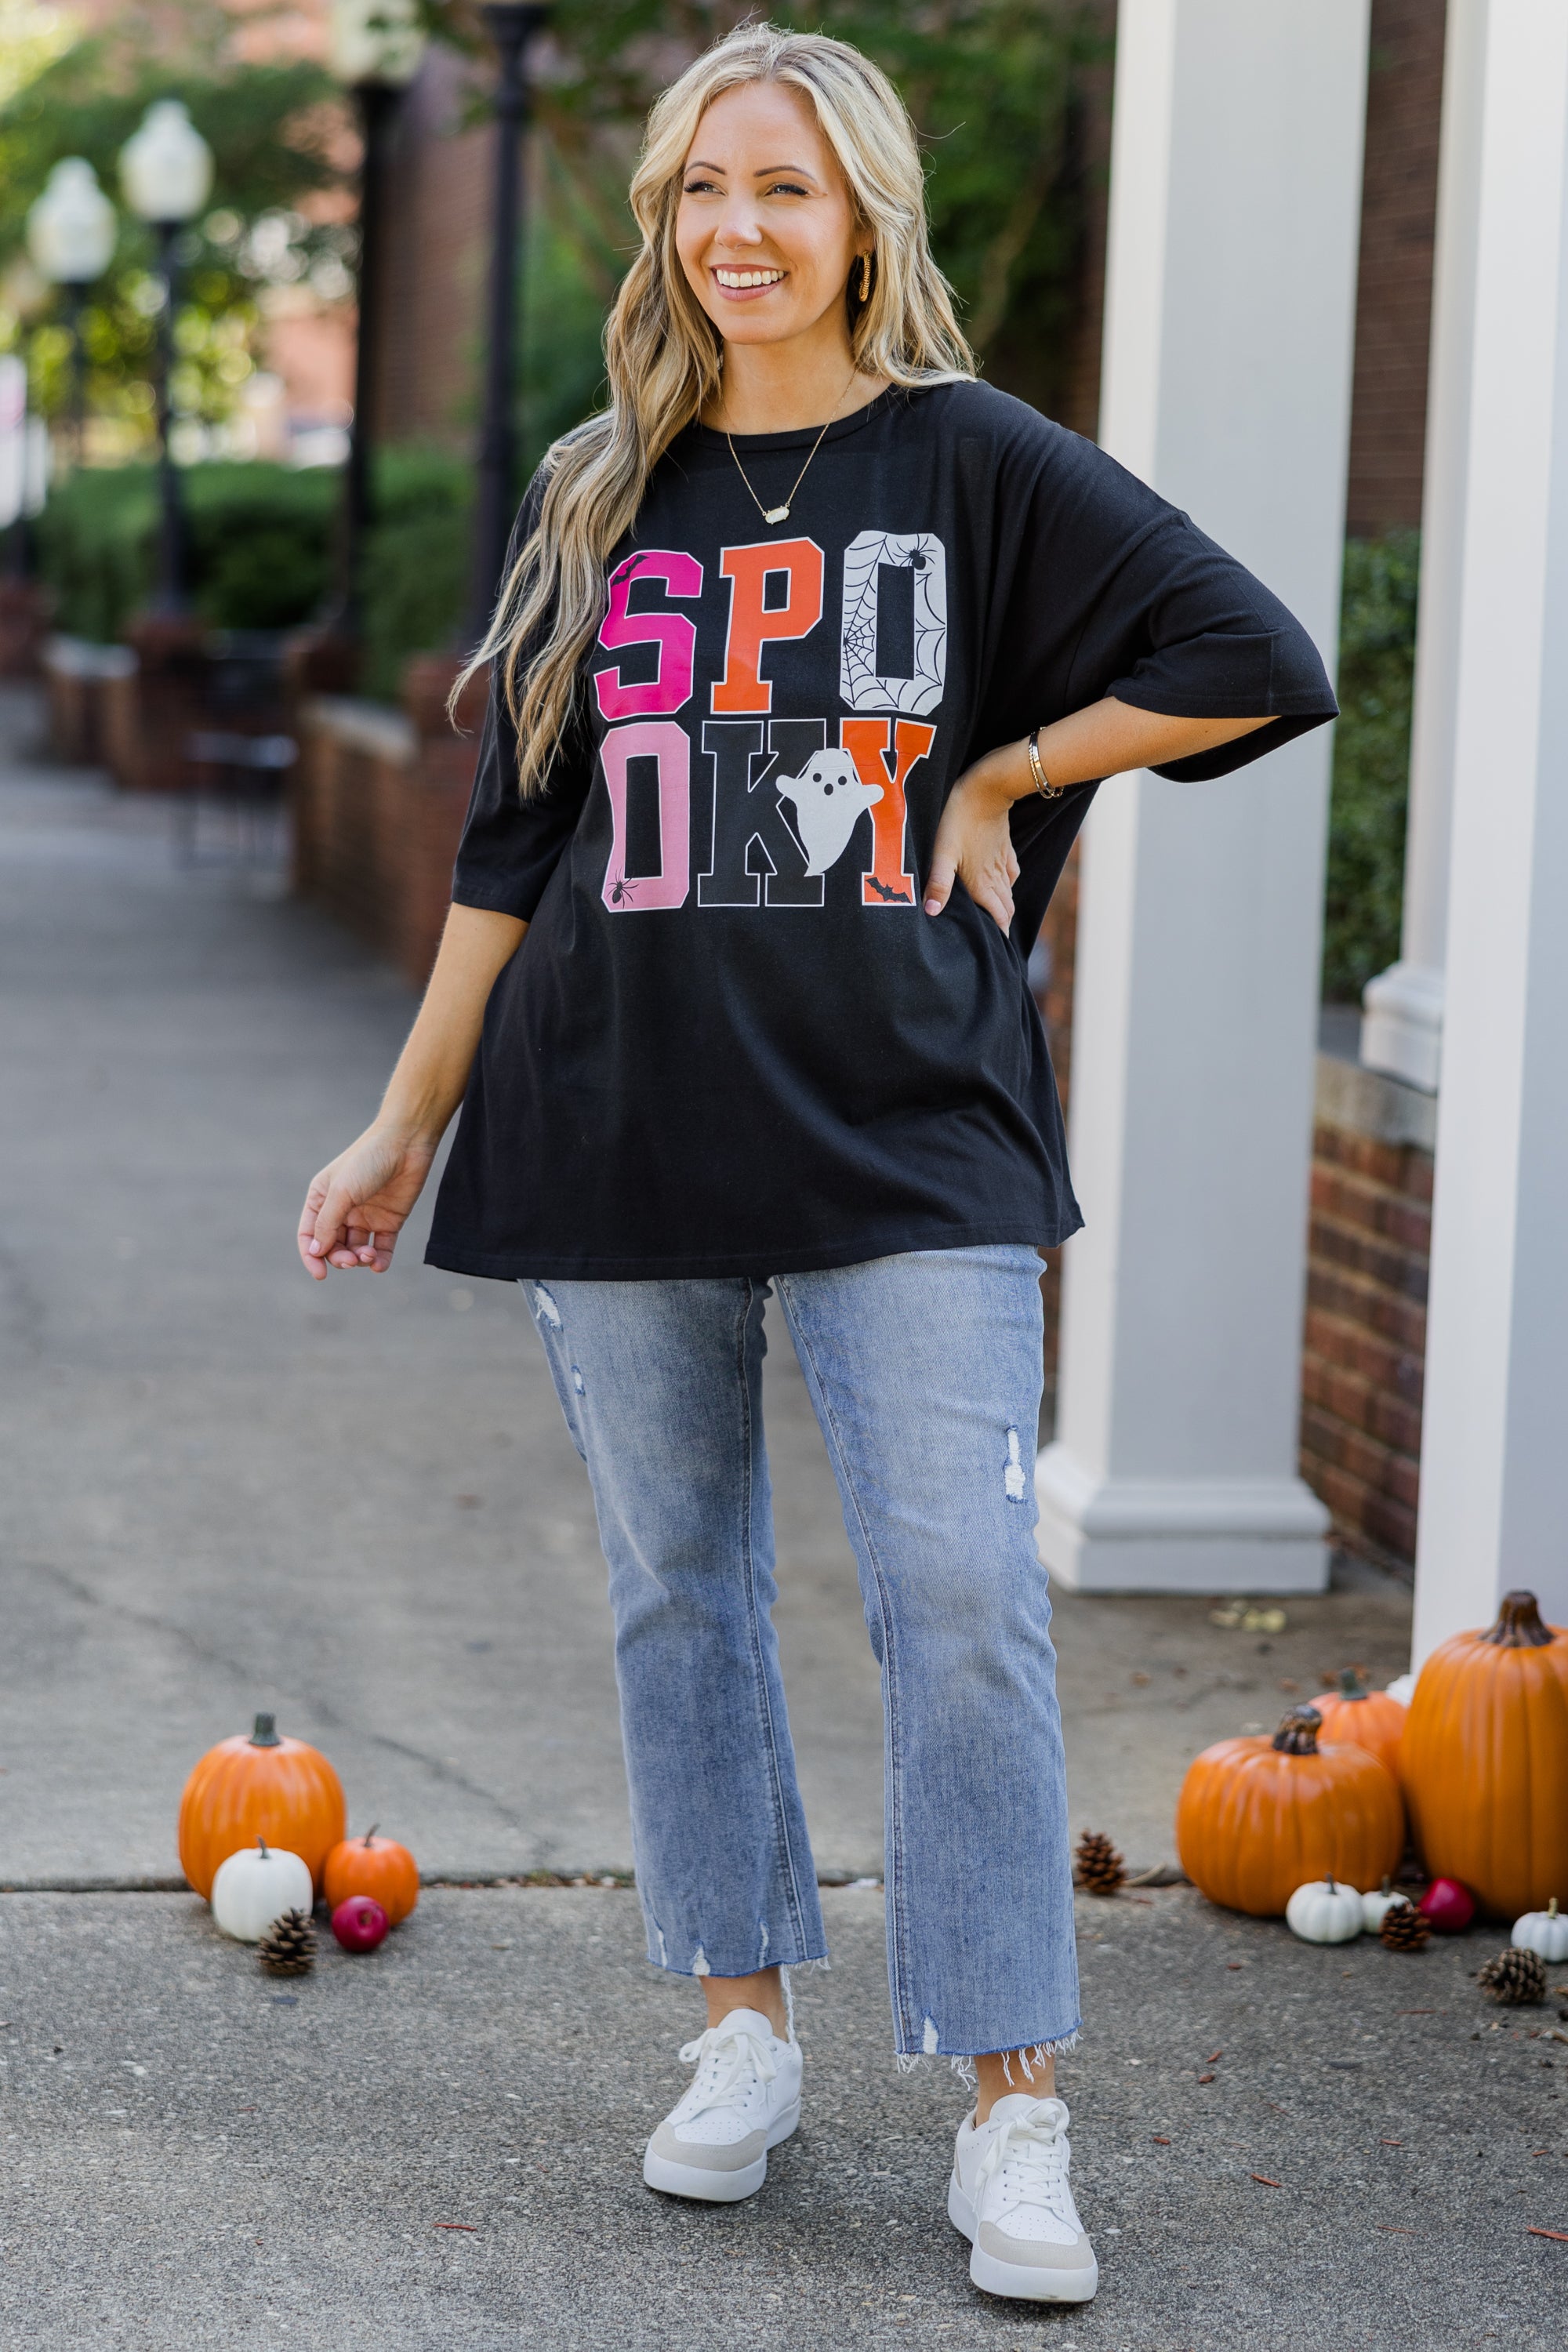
379,798
151,708
25,609
79,681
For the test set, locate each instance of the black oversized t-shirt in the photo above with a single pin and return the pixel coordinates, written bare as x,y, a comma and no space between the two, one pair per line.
732,1042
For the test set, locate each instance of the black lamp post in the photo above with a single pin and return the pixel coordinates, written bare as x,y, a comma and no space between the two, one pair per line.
511,26
377,46
166,171
70,238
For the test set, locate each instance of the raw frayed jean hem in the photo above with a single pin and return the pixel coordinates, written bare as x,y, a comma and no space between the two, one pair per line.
699,1966
1020,2058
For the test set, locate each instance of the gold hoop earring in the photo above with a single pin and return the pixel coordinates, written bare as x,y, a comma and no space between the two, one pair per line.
865,277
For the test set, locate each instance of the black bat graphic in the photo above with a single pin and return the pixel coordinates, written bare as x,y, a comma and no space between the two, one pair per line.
900,897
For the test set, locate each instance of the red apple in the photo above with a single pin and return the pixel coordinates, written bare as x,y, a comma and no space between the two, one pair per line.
360,1923
1448,1905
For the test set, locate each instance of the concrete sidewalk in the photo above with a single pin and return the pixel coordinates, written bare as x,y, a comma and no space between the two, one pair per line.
195,2156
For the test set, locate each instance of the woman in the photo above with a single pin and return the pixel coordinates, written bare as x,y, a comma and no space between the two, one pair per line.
804,643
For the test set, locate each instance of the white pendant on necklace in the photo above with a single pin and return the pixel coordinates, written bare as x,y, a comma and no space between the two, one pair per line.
776,514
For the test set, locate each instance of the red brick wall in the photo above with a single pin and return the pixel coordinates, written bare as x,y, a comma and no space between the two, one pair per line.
1394,291
377,813
437,246
1365,1337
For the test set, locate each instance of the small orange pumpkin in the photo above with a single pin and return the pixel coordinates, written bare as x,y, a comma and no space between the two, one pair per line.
1368,1719
1259,1817
259,1785
1485,1760
378,1867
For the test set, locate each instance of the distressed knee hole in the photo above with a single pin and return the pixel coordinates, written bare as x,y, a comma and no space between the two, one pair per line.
577,1381
544,1307
1012,1474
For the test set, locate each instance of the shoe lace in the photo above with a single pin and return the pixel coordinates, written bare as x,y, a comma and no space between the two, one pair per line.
1034,2146
723,2056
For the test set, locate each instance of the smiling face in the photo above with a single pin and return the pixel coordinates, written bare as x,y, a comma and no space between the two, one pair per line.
765,230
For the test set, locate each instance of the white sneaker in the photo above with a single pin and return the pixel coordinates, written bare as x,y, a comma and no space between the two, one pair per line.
1009,2196
714,2142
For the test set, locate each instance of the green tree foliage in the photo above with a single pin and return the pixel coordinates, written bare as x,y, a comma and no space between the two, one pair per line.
270,127
994,86
1372,763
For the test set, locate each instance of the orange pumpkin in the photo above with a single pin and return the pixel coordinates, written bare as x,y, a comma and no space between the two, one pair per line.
378,1867
1368,1718
1258,1818
260,1786
1485,1760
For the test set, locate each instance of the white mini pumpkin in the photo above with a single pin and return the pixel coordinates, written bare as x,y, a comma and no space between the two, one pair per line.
1324,1912
255,1886
1375,1908
1545,1932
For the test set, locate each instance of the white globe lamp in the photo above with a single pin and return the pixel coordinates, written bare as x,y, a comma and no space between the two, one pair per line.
166,166
71,226
376,43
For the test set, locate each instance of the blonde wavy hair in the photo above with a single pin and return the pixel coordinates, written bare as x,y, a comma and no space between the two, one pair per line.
664,356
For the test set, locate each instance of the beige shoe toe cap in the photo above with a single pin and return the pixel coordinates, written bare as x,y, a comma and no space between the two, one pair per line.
726,2156
1035,2253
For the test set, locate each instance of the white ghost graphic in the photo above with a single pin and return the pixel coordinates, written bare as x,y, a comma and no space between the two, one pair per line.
829,799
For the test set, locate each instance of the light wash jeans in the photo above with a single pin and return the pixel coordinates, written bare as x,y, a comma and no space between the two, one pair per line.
925,1371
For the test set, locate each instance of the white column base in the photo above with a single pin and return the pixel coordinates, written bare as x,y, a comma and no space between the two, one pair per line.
1178,1535
1402,1024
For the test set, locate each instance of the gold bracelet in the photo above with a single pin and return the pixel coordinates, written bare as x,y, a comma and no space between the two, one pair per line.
1048,791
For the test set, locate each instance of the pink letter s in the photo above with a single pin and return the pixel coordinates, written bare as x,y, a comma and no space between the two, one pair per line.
672,632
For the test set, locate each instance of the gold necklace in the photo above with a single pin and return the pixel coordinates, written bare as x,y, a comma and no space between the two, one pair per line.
781,514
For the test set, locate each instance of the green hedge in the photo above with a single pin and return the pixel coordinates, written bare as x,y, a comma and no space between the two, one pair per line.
261,543
258,544
1372,763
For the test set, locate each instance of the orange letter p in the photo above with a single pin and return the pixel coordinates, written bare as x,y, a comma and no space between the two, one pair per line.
755,620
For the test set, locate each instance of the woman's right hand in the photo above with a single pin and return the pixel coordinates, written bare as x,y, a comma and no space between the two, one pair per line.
359,1203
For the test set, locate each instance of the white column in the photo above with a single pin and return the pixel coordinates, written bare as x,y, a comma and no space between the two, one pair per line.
1236,177
1402,1008
1496,1420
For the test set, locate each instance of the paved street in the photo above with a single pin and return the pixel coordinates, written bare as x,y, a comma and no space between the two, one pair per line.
225,1489
195,2157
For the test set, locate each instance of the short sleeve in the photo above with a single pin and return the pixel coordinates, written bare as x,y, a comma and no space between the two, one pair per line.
510,847
1113,592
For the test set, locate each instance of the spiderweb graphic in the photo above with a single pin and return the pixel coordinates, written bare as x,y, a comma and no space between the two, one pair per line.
859,685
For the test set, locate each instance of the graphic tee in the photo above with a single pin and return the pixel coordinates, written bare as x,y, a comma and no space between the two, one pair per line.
732,1041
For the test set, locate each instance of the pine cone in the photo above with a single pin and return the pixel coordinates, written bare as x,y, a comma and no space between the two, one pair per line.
1405,1929
1515,1976
1100,1869
289,1946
